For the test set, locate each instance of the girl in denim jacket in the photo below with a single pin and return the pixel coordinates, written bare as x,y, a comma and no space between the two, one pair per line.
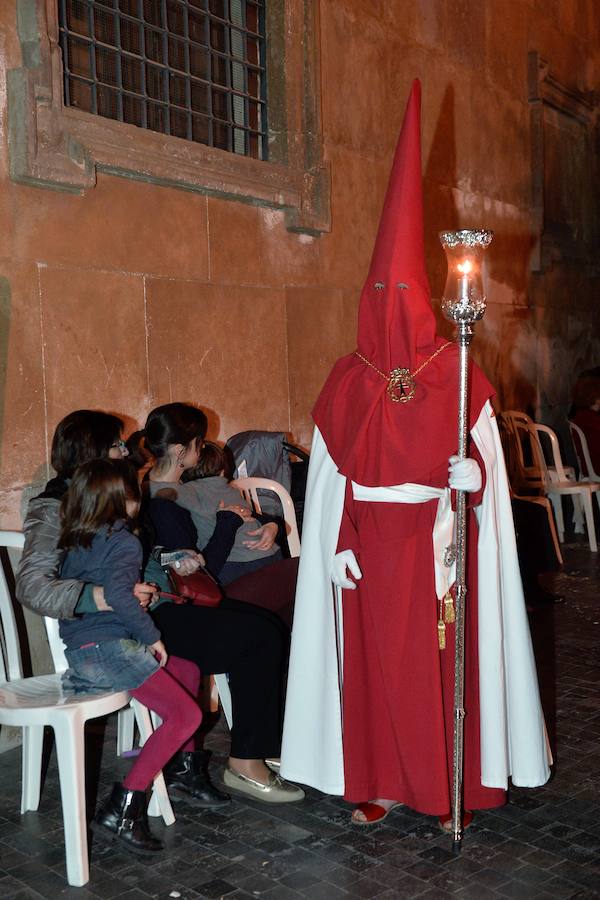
122,650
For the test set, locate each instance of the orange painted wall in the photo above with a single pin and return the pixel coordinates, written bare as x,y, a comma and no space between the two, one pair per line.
135,294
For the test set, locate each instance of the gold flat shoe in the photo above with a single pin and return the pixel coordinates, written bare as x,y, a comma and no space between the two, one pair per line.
274,764
276,790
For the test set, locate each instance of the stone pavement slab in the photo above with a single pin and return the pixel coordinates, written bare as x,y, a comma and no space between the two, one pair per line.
544,844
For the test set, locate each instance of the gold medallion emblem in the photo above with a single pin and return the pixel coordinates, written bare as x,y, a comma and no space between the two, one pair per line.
401,388
401,382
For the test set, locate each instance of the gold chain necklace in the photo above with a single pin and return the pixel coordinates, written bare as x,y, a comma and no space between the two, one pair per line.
401,382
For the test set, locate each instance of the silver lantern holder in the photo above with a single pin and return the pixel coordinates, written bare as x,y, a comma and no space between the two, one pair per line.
464,304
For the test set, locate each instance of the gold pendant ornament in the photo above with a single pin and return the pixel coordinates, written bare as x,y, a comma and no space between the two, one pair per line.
401,387
401,382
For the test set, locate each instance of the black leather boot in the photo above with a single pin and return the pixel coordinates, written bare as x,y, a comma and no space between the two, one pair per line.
124,816
188,772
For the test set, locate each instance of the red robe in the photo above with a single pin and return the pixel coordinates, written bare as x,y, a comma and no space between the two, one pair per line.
398,691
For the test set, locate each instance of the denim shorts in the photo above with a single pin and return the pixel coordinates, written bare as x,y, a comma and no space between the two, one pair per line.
119,665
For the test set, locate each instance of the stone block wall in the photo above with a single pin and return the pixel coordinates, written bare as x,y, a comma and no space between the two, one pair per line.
133,294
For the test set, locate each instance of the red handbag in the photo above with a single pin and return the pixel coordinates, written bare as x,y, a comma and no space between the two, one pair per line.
200,588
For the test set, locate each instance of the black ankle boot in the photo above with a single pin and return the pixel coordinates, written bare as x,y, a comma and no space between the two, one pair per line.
124,816
188,772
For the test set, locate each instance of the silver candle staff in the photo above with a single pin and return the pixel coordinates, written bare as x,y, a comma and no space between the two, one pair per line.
464,304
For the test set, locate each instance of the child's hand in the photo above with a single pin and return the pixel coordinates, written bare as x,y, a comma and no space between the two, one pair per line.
160,652
145,592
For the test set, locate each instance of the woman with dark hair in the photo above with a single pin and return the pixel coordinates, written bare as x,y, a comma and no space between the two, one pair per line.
241,554
81,436
246,642
174,435
241,641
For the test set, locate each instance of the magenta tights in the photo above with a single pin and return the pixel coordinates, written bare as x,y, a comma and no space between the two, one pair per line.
171,692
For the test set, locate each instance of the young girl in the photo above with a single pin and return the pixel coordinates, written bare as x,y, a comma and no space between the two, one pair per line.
122,650
213,492
206,493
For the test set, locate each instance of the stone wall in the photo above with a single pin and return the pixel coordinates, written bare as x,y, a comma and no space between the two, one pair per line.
134,294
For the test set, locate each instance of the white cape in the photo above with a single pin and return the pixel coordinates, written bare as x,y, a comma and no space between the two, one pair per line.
513,735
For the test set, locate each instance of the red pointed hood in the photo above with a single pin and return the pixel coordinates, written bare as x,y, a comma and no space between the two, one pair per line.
372,439
395,318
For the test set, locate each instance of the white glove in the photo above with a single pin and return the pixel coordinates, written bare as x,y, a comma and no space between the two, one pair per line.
464,475
342,561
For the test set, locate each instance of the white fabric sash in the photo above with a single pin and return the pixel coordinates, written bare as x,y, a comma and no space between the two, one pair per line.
443,527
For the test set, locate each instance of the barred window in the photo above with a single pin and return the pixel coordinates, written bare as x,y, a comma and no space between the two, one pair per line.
194,69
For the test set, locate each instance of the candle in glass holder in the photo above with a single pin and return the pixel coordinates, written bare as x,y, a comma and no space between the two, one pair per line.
463,281
463,298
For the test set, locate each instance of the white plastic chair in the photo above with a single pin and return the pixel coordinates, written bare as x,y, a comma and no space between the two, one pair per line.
250,487
558,484
36,702
519,422
584,460
159,805
525,469
518,481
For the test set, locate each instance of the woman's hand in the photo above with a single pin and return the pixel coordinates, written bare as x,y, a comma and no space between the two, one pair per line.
189,564
145,593
265,537
236,508
160,652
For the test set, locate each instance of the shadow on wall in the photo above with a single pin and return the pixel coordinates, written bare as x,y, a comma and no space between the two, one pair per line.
5,319
439,207
214,422
41,472
508,264
44,470
513,389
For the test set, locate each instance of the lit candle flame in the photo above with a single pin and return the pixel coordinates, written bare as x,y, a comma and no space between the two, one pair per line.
465,267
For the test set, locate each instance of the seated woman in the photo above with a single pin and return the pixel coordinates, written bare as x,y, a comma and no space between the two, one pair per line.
174,435
240,641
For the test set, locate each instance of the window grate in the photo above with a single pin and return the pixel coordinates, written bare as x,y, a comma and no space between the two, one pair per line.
189,68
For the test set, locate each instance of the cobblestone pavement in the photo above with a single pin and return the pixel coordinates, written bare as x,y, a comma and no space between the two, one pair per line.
544,844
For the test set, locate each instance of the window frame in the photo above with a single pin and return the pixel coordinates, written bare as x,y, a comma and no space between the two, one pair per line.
547,95
63,148
163,79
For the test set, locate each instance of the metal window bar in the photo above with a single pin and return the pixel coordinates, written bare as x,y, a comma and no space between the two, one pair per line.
144,106
188,84
123,45
262,82
166,118
209,94
238,80
227,63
